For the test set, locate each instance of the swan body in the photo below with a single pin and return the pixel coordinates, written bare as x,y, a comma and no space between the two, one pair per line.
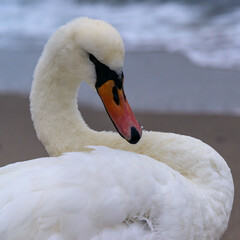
167,186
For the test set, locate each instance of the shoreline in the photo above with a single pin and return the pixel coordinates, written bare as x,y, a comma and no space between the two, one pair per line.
154,82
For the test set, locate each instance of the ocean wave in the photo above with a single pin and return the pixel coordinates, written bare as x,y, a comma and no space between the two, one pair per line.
207,32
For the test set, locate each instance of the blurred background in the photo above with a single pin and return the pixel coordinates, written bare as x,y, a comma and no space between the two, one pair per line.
182,71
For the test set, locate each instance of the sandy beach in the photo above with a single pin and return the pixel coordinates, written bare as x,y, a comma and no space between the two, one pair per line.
175,96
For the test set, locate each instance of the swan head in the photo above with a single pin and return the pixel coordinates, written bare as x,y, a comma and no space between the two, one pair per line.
92,51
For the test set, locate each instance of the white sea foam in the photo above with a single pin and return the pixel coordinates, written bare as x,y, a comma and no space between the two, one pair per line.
206,40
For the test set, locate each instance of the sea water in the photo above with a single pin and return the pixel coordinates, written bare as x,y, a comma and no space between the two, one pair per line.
206,31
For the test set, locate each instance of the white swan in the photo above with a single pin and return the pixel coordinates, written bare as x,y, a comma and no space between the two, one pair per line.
180,188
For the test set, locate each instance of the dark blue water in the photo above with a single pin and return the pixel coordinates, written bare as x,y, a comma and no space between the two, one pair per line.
206,31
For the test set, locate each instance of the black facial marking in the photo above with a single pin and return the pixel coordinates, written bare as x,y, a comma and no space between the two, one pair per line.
115,95
104,73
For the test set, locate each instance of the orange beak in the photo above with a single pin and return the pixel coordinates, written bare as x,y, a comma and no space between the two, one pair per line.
119,111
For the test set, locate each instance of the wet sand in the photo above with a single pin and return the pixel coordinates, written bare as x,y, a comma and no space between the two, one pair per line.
18,140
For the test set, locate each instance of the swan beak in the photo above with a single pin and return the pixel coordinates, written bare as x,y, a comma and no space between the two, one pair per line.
119,111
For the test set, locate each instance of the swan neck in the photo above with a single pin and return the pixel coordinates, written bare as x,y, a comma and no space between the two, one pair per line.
54,109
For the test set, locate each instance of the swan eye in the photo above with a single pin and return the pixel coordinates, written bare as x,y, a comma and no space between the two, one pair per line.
115,95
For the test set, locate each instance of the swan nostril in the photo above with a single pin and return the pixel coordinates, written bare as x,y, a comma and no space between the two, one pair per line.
115,95
135,136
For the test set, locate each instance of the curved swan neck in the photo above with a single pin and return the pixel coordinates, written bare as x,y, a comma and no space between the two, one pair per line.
58,123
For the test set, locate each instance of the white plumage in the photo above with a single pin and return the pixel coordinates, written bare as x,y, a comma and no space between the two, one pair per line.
180,189
99,194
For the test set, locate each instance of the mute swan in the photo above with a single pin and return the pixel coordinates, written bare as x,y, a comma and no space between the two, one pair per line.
167,186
